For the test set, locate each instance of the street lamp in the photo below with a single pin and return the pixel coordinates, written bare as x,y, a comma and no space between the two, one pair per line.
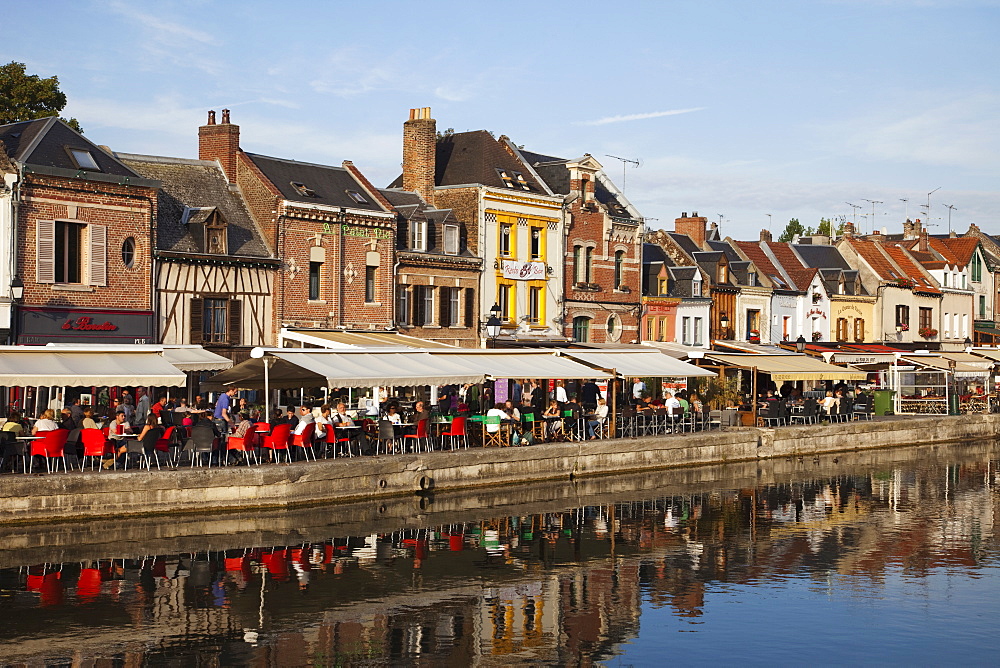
724,324
493,325
968,344
800,344
952,388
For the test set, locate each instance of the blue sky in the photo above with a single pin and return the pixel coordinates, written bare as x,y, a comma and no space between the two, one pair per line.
736,108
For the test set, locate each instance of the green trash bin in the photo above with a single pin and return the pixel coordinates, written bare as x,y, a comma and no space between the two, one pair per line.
883,402
953,404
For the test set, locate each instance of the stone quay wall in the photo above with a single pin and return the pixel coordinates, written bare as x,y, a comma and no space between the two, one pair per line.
60,497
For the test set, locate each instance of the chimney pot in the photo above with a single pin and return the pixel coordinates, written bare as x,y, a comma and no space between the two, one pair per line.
211,117
765,235
684,214
225,117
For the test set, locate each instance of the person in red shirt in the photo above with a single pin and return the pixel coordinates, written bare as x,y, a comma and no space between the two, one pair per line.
157,408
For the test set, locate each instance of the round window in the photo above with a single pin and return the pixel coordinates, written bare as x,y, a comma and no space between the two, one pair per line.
614,328
128,252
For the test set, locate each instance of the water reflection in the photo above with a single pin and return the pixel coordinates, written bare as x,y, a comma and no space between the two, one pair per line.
551,587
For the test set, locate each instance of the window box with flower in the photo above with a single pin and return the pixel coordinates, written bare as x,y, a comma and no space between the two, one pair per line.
817,336
927,332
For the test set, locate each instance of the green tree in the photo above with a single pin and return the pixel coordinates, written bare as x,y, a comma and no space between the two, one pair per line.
826,228
794,229
24,96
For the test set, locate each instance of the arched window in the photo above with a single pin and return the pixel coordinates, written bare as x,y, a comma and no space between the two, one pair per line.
588,264
581,329
619,264
577,269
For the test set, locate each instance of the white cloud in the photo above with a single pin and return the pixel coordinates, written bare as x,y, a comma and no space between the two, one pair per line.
639,117
166,41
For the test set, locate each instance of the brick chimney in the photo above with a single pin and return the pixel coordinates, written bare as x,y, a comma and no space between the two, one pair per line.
849,229
908,230
220,142
419,147
693,226
922,245
765,235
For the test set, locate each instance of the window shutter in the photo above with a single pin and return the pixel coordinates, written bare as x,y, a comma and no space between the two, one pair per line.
444,307
470,307
235,321
197,315
98,255
45,252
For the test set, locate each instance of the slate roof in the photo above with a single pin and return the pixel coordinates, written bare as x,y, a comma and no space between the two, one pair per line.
686,243
820,256
190,184
44,142
472,158
730,252
410,207
554,172
331,185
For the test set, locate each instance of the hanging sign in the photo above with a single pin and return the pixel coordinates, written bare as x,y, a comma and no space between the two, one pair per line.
523,271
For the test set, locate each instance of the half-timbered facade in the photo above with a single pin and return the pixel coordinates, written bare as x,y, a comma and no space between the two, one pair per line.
215,275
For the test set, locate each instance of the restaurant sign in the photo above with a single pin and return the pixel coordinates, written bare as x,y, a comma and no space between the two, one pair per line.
523,271
40,325
357,231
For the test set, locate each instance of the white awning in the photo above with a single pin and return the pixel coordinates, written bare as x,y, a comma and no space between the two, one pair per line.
789,367
517,364
327,368
638,363
29,365
195,358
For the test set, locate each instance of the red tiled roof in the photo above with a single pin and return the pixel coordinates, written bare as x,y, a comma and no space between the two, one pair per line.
872,253
789,261
757,255
911,270
956,250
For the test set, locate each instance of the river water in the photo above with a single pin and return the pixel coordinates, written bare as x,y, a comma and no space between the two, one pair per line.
874,558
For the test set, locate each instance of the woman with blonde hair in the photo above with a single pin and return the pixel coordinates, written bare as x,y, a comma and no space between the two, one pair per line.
46,422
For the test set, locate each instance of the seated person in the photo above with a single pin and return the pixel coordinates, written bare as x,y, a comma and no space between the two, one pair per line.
88,419
11,429
672,403
305,418
511,411
600,416
278,416
358,438
392,414
553,418
45,423
150,434
244,426
496,411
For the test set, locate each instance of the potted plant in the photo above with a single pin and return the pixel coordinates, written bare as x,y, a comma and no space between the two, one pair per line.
817,336
753,336
927,332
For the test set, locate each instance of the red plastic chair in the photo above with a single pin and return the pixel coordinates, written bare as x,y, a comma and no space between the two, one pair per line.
334,438
277,441
420,435
304,440
245,444
96,446
457,429
52,445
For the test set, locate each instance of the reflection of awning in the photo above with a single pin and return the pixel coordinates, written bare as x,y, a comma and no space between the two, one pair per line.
322,368
643,363
789,367
352,340
22,365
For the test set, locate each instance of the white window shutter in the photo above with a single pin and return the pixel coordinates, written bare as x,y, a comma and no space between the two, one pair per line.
98,254
45,252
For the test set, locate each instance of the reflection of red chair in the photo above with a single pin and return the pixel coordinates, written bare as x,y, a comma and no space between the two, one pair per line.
95,445
52,445
277,564
304,440
456,542
52,589
277,441
88,587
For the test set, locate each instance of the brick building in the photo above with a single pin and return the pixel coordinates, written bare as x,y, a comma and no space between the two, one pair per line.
513,222
215,275
603,255
437,276
334,233
76,224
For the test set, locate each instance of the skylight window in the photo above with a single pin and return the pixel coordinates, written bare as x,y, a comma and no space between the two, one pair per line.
83,159
357,197
301,189
521,182
507,179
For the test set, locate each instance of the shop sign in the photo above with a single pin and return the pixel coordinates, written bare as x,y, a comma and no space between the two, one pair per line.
357,231
84,324
40,325
523,271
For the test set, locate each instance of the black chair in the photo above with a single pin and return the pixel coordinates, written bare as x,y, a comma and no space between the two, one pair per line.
202,442
809,414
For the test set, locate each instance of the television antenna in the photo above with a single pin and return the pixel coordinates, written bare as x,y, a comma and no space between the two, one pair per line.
950,207
873,202
855,207
625,161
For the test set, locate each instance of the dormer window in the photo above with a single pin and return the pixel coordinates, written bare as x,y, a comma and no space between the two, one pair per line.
696,287
521,182
301,189
357,197
83,159
208,229
723,274
752,278
508,180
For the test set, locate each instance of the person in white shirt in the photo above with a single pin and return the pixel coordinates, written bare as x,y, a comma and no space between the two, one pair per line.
638,388
305,418
496,411
672,403
600,417
561,393
392,414
45,423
